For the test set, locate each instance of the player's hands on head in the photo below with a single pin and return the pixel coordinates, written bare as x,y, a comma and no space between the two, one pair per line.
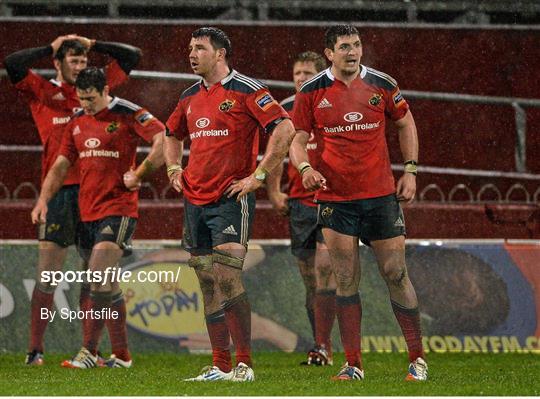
406,188
132,181
313,180
279,202
243,187
39,213
86,42
56,43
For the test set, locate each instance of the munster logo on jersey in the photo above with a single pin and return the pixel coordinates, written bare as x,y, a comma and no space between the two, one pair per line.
375,99
226,105
112,127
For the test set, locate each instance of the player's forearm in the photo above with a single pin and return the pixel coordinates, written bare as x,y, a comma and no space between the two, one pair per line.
17,63
155,158
298,151
172,151
126,55
273,180
278,145
408,138
54,179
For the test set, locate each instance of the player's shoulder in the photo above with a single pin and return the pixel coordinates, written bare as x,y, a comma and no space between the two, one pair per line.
322,80
122,106
288,103
377,78
77,114
239,82
191,90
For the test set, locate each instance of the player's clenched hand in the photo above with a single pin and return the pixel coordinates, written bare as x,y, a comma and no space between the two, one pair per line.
313,180
279,202
39,213
406,187
243,187
176,180
86,42
132,181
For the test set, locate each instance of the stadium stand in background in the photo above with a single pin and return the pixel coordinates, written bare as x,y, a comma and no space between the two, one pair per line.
419,11
472,87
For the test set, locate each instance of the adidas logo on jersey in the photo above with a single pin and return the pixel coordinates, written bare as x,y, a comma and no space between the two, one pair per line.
324,104
399,222
230,230
58,97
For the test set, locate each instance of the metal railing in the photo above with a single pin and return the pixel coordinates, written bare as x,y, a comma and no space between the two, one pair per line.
518,104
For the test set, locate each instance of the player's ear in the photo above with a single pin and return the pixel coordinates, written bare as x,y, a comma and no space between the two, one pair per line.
106,90
57,65
222,54
329,54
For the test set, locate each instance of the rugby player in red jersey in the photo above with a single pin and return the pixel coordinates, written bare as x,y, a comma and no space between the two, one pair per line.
221,115
307,243
52,102
346,107
103,136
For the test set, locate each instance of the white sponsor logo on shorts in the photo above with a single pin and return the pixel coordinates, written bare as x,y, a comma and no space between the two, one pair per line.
230,230
107,230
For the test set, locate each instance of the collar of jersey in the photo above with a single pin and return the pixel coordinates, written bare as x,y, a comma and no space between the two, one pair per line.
363,71
223,81
113,102
56,82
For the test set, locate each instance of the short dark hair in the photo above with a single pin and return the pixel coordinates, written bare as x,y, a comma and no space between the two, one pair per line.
91,77
72,45
218,38
332,34
311,56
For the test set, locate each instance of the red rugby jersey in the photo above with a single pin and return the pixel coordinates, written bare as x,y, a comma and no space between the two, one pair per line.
350,122
222,123
52,103
296,188
106,145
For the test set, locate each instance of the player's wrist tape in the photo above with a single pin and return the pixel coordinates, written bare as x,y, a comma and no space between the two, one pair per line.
260,173
172,169
303,167
144,169
411,167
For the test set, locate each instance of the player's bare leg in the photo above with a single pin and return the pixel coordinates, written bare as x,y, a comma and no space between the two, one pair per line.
306,268
390,256
51,257
228,263
344,256
105,254
324,306
215,320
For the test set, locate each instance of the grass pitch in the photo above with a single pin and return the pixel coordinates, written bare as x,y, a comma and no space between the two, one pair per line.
278,374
